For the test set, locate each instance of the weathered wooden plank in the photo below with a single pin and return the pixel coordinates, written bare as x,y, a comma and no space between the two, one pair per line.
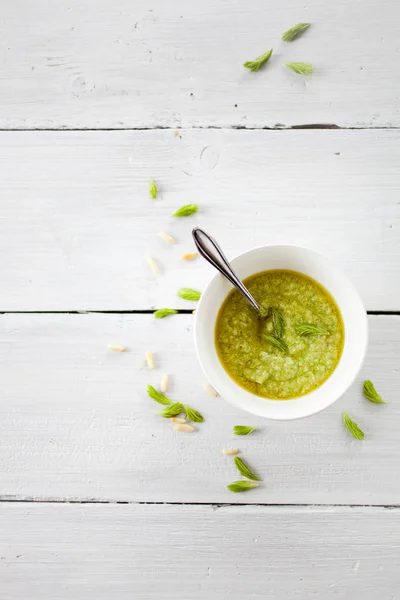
130,63
116,552
77,220
76,422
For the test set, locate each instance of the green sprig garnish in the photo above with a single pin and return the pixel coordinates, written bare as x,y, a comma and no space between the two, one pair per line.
164,312
244,469
351,426
295,31
157,396
371,394
277,322
307,329
257,63
173,410
242,486
153,189
242,429
186,210
300,68
193,415
189,294
278,344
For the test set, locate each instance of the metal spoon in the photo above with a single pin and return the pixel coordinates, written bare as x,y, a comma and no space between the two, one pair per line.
210,250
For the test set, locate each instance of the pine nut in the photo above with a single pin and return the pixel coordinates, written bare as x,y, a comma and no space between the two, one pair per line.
210,390
117,348
164,383
230,451
149,360
166,237
189,255
153,265
183,427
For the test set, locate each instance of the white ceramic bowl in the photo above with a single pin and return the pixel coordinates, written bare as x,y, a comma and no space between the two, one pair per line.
354,316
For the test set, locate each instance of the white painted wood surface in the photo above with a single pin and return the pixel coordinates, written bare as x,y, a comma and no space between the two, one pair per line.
129,63
75,223
76,422
117,552
77,219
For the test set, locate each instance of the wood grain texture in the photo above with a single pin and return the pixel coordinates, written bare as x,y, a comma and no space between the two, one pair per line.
129,63
116,552
76,422
77,220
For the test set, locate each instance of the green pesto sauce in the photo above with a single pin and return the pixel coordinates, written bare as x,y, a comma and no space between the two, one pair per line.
263,369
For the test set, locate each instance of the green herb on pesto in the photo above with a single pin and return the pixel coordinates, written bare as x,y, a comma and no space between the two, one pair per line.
307,329
278,344
277,322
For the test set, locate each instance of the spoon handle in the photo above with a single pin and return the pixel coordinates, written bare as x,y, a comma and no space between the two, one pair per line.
210,250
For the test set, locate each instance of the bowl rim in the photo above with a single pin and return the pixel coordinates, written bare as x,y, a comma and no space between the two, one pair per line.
312,410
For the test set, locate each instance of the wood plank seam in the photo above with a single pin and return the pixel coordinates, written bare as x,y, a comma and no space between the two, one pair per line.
213,504
304,126
150,311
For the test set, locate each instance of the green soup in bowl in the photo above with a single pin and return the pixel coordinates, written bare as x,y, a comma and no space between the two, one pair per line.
294,349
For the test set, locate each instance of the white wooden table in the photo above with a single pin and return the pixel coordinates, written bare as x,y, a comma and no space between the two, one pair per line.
99,498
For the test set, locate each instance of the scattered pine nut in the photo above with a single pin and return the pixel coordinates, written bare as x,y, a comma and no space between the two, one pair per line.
230,451
149,360
189,255
117,348
193,312
183,427
210,390
180,420
153,265
164,383
166,237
